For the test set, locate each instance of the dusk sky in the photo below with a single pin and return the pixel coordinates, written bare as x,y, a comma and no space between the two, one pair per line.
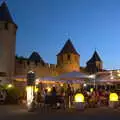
45,25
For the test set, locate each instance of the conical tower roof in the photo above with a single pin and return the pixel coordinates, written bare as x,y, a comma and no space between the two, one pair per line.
68,48
5,14
36,57
95,58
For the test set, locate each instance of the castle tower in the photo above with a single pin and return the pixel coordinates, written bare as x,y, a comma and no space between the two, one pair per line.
68,58
94,64
7,44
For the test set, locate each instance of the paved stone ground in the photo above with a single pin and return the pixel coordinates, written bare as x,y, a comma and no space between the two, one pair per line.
14,112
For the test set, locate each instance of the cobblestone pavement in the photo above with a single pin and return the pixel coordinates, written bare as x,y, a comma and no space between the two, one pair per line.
14,112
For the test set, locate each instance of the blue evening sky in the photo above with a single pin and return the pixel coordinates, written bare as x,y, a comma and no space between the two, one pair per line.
45,25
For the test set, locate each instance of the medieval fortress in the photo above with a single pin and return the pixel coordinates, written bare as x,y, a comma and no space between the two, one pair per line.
68,59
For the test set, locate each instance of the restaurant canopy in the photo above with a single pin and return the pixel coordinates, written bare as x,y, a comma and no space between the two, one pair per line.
48,78
73,77
107,77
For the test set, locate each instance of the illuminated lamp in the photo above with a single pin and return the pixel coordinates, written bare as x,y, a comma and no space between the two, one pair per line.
113,100
113,97
79,101
79,97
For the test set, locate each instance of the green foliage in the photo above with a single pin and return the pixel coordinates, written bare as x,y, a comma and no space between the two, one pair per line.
13,95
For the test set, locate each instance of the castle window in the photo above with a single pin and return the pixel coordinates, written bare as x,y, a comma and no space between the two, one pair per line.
68,57
6,26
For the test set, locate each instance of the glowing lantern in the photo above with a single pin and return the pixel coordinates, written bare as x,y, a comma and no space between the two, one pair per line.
113,97
79,97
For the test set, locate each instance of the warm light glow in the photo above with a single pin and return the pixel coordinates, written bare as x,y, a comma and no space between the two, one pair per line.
20,79
118,75
91,89
37,81
113,97
61,85
30,72
118,71
36,89
84,85
111,77
92,76
29,90
10,86
49,89
79,97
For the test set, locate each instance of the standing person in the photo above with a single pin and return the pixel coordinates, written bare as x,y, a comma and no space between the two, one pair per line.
68,96
39,98
45,93
54,94
62,91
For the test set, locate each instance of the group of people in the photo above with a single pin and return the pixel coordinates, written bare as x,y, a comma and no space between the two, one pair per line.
3,95
96,97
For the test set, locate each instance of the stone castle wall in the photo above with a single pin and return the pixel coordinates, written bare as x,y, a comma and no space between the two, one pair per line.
68,63
23,66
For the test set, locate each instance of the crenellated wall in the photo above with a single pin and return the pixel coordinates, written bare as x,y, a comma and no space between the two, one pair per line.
23,66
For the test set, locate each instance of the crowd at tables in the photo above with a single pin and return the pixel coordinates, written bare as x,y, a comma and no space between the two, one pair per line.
93,97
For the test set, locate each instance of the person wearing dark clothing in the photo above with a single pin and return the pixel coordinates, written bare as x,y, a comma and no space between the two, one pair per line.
54,91
68,96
